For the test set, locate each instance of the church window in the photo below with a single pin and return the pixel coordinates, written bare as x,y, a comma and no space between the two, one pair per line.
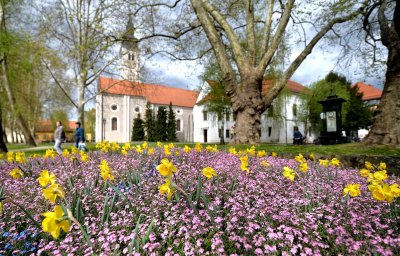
205,114
114,107
178,125
294,110
137,109
114,124
179,111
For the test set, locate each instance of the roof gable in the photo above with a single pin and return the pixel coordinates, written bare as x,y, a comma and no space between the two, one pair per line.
154,93
369,92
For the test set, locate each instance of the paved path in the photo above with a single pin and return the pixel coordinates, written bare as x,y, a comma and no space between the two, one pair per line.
64,145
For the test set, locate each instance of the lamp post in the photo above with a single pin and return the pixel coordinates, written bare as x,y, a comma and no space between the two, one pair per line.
331,120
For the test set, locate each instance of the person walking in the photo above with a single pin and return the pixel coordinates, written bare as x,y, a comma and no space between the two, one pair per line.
79,135
59,137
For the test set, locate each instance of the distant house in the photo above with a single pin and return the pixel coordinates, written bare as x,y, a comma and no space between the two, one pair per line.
371,94
277,126
121,101
371,97
44,131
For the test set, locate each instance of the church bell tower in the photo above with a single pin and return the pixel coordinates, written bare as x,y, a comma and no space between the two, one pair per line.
129,54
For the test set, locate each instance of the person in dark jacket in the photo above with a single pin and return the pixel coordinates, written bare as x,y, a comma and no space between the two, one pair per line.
79,134
297,137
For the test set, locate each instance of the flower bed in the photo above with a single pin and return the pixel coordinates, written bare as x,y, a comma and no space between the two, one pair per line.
194,201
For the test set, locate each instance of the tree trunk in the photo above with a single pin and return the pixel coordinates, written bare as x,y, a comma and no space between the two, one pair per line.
386,127
3,147
247,105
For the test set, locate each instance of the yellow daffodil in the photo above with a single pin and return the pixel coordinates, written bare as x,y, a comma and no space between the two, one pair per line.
127,146
265,163
1,155
368,165
335,162
1,207
55,221
167,150
380,175
382,166
352,189
105,171
10,156
261,153
311,157
299,158
198,147
210,148
74,151
84,156
303,166
251,151
364,173
166,168
395,190
16,173
20,157
52,192
46,178
289,173
159,144
167,189
244,163
187,149
209,172
115,146
274,154
139,149
324,162
65,152
50,153
145,145
233,151
150,151
124,152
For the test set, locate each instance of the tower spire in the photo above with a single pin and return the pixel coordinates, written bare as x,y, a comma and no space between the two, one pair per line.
129,53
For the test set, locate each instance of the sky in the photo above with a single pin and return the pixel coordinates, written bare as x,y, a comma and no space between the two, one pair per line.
315,67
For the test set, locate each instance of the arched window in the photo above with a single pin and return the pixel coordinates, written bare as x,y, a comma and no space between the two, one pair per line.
178,125
294,109
114,124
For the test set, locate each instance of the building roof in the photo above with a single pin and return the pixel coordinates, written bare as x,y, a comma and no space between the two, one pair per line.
369,92
49,126
293,86
154,93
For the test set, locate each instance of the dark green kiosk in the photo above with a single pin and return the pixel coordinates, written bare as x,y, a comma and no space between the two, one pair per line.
332,121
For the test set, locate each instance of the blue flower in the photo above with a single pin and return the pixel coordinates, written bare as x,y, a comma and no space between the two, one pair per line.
6,234
8,247
27,245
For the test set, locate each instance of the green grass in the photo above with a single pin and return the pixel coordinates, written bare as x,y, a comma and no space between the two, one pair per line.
327,150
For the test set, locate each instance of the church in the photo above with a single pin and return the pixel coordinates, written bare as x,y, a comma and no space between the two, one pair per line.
120,101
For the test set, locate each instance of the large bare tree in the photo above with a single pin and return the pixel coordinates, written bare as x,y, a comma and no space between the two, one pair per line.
386,127
4,78
232,29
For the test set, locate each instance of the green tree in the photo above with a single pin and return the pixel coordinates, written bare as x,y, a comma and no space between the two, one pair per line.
355,114
138,129
149,124
171,124
359,115
160,131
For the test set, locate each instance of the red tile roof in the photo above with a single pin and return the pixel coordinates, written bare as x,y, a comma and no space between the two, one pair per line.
293,86
154,93
49,126
369,92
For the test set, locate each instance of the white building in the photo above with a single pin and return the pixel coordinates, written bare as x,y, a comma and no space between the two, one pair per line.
120,101
277,123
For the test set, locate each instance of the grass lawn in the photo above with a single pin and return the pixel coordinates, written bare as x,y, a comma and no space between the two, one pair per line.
339,149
